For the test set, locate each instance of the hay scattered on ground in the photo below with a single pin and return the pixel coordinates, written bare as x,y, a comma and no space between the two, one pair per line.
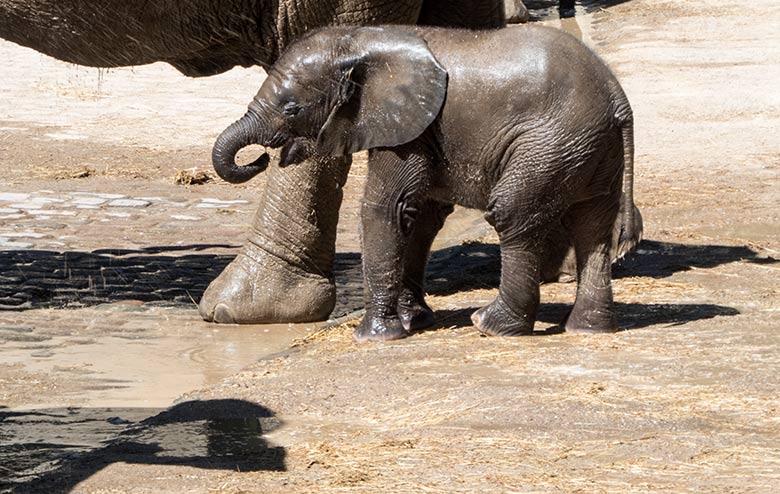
83,172
192,177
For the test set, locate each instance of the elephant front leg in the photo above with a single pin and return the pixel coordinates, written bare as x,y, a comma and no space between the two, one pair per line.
284,271
389,212
412,309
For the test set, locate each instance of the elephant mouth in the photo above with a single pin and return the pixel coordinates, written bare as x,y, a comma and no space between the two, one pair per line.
295,151
278,140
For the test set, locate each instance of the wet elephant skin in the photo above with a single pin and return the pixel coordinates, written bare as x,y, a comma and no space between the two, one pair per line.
546,152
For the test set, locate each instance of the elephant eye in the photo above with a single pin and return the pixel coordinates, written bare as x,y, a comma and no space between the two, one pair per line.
291,109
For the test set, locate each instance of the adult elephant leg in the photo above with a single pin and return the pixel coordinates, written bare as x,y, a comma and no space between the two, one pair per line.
284,271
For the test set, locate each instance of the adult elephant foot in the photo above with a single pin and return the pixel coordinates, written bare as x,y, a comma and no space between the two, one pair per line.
284,272
258,287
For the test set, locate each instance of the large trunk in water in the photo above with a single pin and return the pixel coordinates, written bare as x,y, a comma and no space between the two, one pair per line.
285,270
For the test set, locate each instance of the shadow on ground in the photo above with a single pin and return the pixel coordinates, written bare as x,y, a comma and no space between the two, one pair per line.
478,265
539,10
53,450
39,279
630,316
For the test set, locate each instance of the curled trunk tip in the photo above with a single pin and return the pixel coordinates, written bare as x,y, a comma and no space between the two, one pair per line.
237,136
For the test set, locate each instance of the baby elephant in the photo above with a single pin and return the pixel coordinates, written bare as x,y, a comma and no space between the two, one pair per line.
524,123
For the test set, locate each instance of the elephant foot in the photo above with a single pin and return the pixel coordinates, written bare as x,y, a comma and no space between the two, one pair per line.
414,313
379,329
590,322
263,289
497,319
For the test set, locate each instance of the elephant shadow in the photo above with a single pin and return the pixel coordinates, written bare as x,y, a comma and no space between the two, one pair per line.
31,279
54,450
477,265
630,315
178,275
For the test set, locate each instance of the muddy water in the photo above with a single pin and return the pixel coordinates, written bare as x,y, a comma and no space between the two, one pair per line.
139,369
134,354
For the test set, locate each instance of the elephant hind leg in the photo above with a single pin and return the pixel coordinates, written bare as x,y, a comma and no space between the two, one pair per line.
523,218
592,224
513,312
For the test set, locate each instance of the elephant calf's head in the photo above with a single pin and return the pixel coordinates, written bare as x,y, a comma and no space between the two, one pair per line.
335,92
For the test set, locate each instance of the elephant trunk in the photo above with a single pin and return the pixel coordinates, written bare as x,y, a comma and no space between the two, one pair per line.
237,136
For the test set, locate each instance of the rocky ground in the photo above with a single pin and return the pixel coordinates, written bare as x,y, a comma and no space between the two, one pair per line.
684,400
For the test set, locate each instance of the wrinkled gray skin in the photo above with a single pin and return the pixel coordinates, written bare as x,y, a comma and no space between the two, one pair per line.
284,272
537,135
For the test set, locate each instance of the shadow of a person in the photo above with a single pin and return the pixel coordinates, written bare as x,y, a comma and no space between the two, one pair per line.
212,434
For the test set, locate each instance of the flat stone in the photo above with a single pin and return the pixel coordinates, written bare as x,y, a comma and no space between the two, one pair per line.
129,203
95,194
88,201
8,211
224,201
11,216
185,218
46,200
118,215
23,235
13,197
26,205
17,329
66,137
85,206
17,245
52,212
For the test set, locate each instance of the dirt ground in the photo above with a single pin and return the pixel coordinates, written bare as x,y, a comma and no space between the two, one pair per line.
685,399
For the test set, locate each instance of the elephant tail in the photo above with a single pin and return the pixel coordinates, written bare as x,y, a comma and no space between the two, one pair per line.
630,220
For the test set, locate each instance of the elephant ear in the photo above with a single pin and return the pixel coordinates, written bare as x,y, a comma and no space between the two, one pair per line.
391,89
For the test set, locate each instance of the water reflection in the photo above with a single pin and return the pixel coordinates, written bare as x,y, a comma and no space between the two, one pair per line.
53,450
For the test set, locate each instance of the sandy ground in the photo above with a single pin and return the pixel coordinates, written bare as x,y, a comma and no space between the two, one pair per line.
686,399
